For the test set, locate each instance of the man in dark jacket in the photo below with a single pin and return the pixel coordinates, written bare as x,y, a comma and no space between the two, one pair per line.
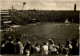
2,47
19,46
9,47
27,48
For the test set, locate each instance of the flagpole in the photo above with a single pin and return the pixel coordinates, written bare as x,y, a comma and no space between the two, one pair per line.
22,7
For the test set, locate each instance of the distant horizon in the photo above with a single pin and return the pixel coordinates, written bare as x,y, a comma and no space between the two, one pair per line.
40,9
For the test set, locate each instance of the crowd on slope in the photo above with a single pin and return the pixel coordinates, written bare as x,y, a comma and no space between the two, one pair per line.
45,48
23,17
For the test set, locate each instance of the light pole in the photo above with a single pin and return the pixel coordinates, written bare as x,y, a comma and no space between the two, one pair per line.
23,5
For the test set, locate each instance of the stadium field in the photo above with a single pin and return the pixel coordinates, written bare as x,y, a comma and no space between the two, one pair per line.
59,32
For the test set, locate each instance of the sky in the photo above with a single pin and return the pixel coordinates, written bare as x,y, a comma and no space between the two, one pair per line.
40,4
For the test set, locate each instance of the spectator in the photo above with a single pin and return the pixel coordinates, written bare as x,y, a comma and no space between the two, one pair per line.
9,47
52,47
32,49
45,50
40,48
69,46
19,46
27,48
37,48
75,49
60,48
3,47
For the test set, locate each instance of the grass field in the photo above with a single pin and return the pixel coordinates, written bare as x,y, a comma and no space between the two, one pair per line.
60,32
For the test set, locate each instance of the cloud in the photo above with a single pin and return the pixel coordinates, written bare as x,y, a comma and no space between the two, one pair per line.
50,4
19,4
70,4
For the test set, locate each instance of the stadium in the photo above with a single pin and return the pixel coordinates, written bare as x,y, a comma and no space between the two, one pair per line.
38,26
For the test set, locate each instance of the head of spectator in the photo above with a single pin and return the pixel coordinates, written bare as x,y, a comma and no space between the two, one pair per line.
67,42
10,40
28,43
3,43
17,40
44,43
36,44
9,37
51,41
59,44
74,43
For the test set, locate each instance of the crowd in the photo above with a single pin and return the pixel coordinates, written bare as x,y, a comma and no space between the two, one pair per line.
23,17
45,48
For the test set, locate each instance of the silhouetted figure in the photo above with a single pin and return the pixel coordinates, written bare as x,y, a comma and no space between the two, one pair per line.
60,48
19,46
40,48
3,47
37,48
17,50
9,47
32,49
75,49
69,46
52,47
45,49
27,48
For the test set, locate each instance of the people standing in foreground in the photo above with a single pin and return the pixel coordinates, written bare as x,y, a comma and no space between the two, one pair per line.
44,49
52,47
19,46
9,47
27,49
